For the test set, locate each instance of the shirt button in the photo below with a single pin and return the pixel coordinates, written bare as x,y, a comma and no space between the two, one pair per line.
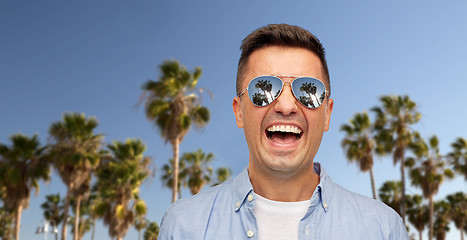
250,198
325,205
250,233
238,204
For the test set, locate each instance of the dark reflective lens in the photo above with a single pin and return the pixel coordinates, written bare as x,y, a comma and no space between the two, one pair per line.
264,90
310,92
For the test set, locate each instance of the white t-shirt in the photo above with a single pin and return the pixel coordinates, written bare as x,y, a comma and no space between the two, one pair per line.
279,220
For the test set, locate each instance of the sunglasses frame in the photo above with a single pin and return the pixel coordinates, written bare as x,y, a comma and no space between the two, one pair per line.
282,87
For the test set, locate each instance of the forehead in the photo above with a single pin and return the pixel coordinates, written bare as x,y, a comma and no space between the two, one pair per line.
282,61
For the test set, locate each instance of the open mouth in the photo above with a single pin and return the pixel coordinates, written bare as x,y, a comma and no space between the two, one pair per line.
284,133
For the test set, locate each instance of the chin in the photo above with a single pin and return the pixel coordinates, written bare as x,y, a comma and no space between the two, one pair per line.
284,170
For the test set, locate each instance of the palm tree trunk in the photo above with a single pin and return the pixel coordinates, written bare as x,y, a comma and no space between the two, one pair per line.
82,228
420,235
18,220
78,203
55,231
430,230
175,145
462,233
402,161
93,229
372,179
65,213
316,98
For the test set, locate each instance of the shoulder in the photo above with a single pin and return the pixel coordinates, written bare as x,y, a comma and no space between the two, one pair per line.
363,203
346,202
373,214
200,202
189,215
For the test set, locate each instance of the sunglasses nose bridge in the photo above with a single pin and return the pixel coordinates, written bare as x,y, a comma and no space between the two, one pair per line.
290,90
286,103
284,83
289,82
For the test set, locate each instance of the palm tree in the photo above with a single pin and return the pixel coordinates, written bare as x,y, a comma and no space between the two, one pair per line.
167,176
53,210
390,194
458,156
359,145
311,90
119,178
441,225
6,223
417,213
84,226
222,175
22,166
266,87
172,104
429,171
458,211
140,224
258,99
198,172
152,231
86,216
393,122
74,150
91,202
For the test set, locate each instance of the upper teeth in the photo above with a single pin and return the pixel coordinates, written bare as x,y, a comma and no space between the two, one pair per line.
284,128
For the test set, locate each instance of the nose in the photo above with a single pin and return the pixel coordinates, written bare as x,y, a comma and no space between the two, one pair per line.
286,102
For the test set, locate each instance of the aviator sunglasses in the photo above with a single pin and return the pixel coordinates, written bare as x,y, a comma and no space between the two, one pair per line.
263,90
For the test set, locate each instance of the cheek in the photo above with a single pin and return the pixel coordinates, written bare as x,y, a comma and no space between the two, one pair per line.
253,121
317,124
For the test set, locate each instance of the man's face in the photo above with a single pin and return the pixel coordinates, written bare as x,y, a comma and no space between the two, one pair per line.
273,153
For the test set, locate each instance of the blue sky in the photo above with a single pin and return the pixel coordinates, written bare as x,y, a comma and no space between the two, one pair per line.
93,57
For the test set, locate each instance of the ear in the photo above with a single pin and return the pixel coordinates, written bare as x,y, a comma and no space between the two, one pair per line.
237,108
327,120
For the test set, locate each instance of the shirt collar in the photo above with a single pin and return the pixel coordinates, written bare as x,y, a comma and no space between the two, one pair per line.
242,188
325,188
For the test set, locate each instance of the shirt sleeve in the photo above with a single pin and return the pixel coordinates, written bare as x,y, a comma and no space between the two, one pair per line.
400,231
167,227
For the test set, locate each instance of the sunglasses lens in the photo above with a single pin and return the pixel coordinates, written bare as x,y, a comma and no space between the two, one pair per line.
264,90
309,91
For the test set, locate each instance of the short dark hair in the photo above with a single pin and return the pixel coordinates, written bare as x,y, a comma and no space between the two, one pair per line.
280,35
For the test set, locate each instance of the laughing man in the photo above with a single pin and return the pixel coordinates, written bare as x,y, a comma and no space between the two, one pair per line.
283,105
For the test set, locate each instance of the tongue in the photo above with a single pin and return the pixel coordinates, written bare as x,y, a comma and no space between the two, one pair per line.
283,138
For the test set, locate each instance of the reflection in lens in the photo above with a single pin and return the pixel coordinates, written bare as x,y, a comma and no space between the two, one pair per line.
263,90
257,99
309,91
321,98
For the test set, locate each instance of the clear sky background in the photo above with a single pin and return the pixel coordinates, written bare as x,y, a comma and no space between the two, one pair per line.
93,57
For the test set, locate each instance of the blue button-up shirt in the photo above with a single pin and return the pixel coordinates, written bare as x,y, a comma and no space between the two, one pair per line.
227,212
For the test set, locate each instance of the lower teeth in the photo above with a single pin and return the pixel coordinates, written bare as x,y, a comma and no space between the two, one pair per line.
269,134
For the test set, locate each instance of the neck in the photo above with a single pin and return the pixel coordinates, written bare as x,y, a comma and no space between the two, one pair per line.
290,188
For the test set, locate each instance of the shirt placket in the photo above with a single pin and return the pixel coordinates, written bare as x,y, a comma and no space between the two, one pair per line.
249,219
308,225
